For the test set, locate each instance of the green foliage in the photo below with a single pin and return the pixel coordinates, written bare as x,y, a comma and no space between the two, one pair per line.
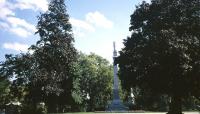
4,91
54,73
49,73
55,56
163,53
95,80
16,68
31,109
54,52
146,100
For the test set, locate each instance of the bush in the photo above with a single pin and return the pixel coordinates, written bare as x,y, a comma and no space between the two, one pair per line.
31,109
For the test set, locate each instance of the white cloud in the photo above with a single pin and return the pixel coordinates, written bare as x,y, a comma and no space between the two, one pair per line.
5,10
13,24
16,46
41,5
81,24
35,5
99,20
20,32
17,22
4,26
140,1
17,26
78,33
148,1
1,1
82,27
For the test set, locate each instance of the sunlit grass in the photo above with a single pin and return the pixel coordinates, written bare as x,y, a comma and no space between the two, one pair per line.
195,112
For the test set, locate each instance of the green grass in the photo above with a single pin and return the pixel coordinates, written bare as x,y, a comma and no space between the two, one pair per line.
125,113
78,113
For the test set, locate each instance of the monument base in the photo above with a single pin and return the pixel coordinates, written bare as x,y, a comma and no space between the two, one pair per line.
117,105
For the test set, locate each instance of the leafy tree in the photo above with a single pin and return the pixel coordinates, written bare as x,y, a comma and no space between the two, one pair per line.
95,80
163,52
4,91
55,56
146,100
48,75
16,71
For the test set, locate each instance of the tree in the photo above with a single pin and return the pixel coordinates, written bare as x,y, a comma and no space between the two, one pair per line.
146,100
55,56
95,80
4,91
163,52
16,71
47,75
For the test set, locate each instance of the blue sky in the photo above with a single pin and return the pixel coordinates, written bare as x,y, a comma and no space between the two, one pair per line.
96,24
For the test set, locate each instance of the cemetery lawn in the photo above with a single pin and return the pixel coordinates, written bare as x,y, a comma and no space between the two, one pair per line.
126,113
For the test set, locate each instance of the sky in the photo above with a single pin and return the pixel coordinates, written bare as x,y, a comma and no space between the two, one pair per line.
96,24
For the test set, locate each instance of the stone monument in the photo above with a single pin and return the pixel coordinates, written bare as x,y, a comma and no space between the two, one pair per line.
116,104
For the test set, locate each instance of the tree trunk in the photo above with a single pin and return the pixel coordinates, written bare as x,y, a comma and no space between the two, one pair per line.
51,108
91,105
175,106
51,104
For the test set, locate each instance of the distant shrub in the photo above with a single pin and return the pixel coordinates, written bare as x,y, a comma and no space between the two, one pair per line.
30,109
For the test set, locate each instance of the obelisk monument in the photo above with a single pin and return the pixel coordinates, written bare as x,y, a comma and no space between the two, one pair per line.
116,82
116,104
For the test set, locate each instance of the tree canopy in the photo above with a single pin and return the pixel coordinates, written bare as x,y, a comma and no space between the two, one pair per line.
163,52
55,55
48,73
96,80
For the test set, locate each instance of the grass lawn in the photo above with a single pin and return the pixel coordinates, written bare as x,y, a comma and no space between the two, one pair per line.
124,113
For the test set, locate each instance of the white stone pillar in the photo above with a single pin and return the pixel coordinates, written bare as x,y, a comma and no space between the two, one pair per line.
116,104
115,71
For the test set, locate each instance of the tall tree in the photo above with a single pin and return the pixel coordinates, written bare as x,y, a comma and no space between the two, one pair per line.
49,74
55,55
163,52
